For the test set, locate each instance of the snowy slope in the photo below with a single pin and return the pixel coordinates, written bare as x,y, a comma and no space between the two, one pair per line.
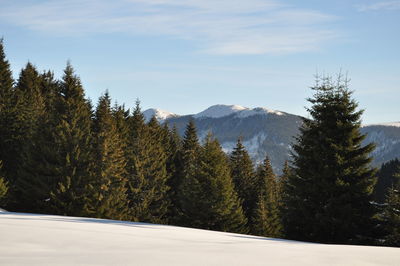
28,239
161,115
221,110
390,124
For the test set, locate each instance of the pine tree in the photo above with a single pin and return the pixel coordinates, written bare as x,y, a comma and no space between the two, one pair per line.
266,217
173,147
72,149
9,134
3,187
244,178
188,167
30,114
213,202
49,87
109,183
281,183
147,176
329,193
392,214
386,179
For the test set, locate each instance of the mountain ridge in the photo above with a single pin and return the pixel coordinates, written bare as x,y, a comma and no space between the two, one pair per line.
271,133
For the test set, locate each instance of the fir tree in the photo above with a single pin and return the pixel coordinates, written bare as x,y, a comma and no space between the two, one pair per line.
49,87
31,111
266,218
147,176
391,214
329,193
72,149
213,202
173,147
9,134
386,179
109,183
186,174
3,187
244,178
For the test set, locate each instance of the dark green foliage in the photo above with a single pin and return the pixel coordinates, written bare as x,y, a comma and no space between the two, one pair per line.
28,112
328,195
9,134
244,178
3,187
386,179
71,148
49,89
108,174
266,220
147,175
187,171
211,201
391,214
172,146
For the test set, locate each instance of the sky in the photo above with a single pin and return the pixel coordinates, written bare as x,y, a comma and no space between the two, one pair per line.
186,55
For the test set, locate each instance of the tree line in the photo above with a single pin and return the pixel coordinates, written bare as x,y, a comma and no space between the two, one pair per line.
60,154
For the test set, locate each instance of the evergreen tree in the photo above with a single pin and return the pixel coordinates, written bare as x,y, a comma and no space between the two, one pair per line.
49,87
109,183
3,187
213,202
391,214
266,218
9,134
173,148
72,149
187,171
386,179
31,109
329,193
243,175
147,175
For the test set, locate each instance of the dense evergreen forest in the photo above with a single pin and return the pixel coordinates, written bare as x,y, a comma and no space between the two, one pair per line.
60,154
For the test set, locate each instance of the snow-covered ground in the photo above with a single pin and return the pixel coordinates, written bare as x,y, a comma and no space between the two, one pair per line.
29,239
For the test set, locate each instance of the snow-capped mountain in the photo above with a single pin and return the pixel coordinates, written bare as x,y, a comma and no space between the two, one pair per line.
161,115
268,132
386,137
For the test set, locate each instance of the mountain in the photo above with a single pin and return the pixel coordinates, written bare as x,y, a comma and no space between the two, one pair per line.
161,115
269,132
387,140
34,239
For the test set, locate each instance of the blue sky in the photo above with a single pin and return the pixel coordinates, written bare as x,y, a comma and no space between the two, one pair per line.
183,56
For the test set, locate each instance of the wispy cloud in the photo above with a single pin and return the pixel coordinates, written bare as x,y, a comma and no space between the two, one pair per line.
382,5
217,26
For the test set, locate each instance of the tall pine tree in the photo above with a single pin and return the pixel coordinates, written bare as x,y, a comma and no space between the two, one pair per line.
213,202
3,187
108,168
9,134
391,214
243,175
187,171
72,147
329,192
266,220
147,175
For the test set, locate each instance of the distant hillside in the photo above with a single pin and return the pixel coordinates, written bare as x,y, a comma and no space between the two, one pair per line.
270,132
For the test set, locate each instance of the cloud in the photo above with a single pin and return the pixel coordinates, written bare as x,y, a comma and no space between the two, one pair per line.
385,5
215,26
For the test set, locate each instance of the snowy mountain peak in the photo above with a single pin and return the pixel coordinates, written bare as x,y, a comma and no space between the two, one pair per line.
258,111
219,110
161,115
390,124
